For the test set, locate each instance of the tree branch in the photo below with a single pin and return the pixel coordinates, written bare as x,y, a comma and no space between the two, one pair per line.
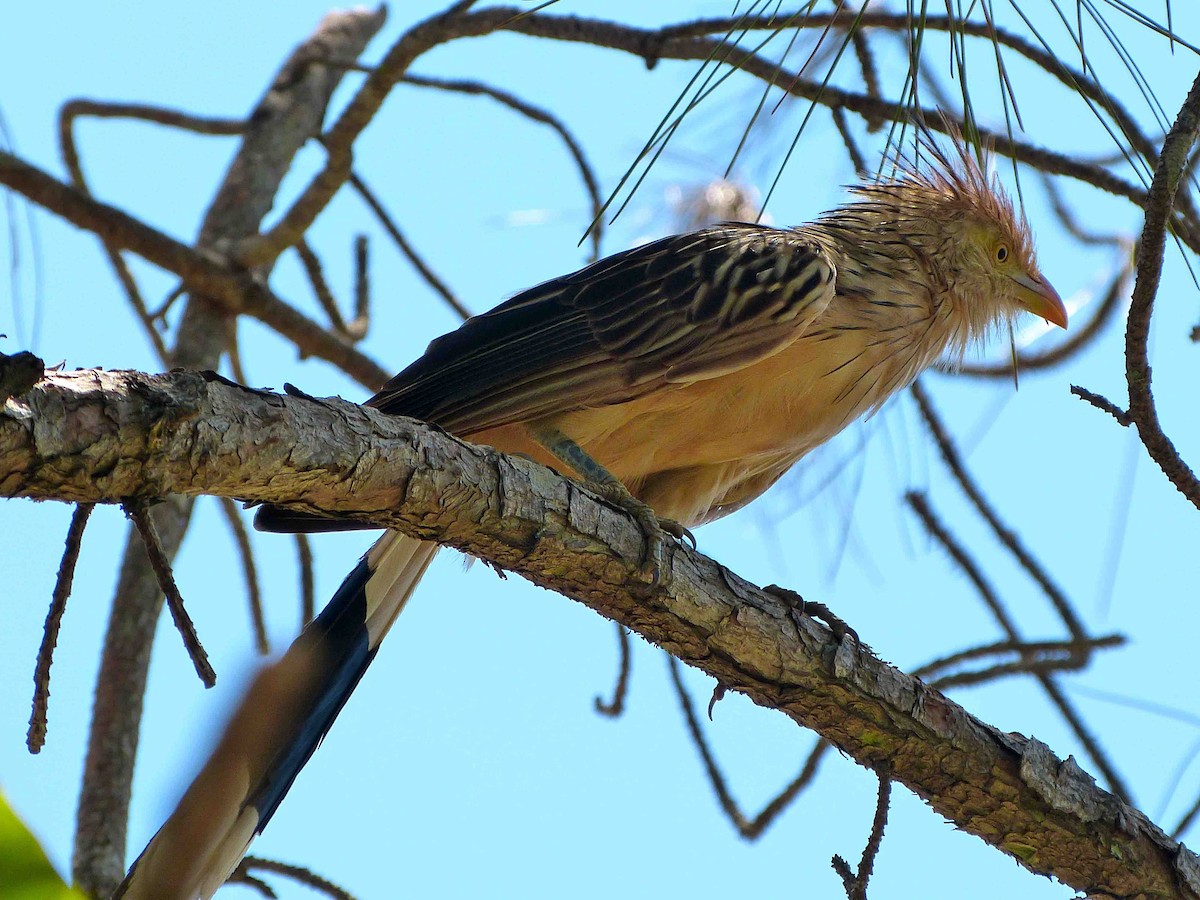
106,436
1159,204
668,42
285,118
203,272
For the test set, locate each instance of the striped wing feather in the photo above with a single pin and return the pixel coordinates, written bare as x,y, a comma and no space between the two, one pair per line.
680,309
677,310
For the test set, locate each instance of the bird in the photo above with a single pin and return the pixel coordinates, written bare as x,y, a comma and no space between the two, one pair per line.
679,380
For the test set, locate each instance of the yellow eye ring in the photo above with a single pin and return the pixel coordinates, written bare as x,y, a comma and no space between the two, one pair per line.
1002,253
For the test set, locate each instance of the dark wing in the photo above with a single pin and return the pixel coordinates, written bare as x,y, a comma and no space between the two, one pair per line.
680,309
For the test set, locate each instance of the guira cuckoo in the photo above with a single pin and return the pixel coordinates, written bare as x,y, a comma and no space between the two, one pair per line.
680,379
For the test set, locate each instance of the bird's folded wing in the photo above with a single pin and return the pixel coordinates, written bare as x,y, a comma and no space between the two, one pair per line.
677,310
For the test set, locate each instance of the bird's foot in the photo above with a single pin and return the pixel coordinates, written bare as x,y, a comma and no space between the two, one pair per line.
677,530
818,611
612,489
654,529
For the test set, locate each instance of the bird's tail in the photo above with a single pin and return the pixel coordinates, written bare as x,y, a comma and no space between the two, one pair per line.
285,714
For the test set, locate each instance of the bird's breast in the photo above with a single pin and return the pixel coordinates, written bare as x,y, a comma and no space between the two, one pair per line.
688,449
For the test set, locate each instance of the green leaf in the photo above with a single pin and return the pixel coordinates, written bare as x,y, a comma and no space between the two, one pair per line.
25,872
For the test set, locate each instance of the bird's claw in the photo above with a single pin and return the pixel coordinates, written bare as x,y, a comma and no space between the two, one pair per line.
678,531
654,529
814,610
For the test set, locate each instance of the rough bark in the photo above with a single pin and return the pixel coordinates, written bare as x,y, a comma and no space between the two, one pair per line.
105,436
290,113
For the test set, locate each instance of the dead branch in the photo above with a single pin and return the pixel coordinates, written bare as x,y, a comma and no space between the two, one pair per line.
750,828
1159,205
87,436
613,708
138,512
405,247
35,738
204,273
289,114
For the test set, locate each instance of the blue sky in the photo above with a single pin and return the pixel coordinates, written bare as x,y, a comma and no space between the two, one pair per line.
470,762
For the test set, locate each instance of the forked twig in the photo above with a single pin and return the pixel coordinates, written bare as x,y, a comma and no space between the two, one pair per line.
939,532
855,883
751,829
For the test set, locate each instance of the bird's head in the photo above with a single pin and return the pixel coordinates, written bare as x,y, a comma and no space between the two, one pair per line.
994,256
971,233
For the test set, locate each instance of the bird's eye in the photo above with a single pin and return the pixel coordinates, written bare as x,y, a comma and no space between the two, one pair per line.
1002,253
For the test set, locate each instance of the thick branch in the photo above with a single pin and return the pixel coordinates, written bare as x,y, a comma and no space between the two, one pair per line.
104,436
288,115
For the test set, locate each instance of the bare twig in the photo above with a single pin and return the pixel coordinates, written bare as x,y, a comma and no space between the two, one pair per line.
1039,656
35,738
1009,538
358,327
241,538
1103,404
852,148
136,510
1142,410
751,829
1186,819
240,876
616,706
308,595
855,883
297,873
868,66
159,115
919,505
1069,220
406,248
159,315
842,868
234,352
537,114
1034,657
316,277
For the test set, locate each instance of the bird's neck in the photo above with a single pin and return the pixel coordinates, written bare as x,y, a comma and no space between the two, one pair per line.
892,316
